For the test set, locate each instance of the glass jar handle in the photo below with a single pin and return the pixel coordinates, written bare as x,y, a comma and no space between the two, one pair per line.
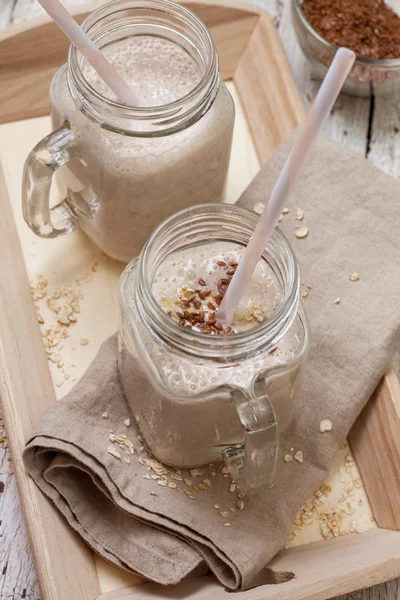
252,464
52,152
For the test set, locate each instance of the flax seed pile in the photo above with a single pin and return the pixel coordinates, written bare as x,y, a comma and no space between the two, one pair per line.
369,27
196,308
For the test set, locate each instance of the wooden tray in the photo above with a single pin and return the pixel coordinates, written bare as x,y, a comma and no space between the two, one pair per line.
268,108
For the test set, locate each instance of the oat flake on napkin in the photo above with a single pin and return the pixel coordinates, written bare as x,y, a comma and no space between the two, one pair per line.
158,527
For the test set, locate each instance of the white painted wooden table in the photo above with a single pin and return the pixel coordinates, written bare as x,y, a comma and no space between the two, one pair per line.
370,126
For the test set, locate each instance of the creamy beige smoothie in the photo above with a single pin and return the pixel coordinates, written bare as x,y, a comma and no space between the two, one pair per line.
186,407
121,185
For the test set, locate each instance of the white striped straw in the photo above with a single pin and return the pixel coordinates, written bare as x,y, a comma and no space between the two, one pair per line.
326,97
82,41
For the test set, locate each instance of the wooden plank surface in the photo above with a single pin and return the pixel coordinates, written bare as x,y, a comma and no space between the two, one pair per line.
263,87
6,9
349,123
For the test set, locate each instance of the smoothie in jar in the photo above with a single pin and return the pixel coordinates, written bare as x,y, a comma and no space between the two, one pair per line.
190,381
129,168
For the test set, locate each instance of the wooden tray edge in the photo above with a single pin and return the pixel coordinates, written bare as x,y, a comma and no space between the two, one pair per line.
54,545
39,513
347,564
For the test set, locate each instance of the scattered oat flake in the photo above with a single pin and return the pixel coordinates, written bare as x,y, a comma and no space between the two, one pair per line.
224,513
354,277
127,422
127,460
153,494
259,207
285,211
191,494
172,484
162,482
299,456
299,214
194,472
156,466
240,505
232,487
188,481
227,524
288,458
216,506
325,425
111,450
241,494
359,529
84,341
304,294
302,232
337,301
105,415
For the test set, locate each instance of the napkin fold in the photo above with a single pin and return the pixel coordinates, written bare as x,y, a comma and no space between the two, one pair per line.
137,513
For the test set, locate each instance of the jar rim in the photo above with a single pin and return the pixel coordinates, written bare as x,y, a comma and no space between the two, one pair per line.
196,343
200,97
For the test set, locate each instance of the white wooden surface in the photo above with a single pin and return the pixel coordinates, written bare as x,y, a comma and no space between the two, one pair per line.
368,125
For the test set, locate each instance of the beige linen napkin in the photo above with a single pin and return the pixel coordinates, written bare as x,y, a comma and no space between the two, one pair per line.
155,528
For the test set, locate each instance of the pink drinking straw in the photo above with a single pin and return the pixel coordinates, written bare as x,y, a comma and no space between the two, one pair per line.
326,97
82,41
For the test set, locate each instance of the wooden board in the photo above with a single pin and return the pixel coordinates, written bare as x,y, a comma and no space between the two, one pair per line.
375,441
66,568
340,566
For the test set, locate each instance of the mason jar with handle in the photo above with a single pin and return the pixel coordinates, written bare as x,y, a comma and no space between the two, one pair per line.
201,398
121,170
